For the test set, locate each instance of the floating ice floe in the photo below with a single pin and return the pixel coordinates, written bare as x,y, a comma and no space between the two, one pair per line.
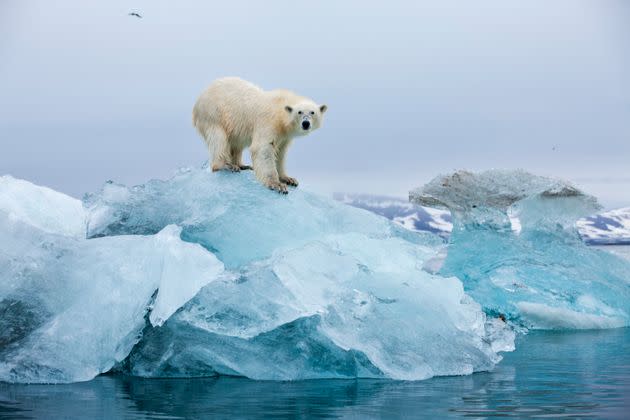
210,273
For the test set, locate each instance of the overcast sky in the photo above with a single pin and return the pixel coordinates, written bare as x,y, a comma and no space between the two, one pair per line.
414,89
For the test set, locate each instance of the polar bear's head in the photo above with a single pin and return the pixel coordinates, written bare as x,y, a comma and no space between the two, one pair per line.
305,116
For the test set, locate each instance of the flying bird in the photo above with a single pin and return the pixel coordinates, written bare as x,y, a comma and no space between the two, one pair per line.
135,14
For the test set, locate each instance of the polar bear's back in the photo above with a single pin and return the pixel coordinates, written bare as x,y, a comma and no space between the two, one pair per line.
231,103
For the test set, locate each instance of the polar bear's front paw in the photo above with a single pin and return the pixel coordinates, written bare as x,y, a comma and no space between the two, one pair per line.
245,167
278,186
289,181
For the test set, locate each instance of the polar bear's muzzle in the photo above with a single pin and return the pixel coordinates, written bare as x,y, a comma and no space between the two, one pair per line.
306,124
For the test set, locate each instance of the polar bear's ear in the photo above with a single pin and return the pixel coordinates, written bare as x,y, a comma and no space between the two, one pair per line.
323,108
289,109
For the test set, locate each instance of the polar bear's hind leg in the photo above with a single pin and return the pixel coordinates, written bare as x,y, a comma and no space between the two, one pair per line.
237,158
219,149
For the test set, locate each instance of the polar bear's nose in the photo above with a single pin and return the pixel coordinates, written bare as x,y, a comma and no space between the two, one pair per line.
306,124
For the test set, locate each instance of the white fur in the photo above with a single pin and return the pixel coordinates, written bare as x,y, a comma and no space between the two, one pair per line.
232,114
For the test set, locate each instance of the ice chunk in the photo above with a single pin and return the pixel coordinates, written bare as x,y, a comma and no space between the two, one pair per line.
184,269
485,198
46,209
463,191
540,273
343,306
71,308
317,288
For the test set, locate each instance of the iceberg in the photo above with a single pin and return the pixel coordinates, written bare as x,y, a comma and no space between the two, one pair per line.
210,273
516,248
318,289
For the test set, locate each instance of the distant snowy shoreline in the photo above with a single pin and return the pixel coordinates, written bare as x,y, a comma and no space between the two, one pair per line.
606,228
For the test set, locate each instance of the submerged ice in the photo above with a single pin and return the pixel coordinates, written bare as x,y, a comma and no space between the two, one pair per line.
209,273
516,249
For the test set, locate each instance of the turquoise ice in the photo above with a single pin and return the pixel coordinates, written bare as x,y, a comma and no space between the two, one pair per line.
210,273
516,248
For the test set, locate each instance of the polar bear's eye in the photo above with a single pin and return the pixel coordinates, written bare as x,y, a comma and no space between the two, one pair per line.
312,112
300,112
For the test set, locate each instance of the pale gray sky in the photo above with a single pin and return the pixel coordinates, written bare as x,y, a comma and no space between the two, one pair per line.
414,88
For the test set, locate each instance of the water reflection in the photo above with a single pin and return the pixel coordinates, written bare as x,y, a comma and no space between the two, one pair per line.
551,374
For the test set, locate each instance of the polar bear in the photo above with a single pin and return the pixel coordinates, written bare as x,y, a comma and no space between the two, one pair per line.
232,114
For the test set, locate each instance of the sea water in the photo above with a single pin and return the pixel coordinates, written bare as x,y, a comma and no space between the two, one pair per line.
551,374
